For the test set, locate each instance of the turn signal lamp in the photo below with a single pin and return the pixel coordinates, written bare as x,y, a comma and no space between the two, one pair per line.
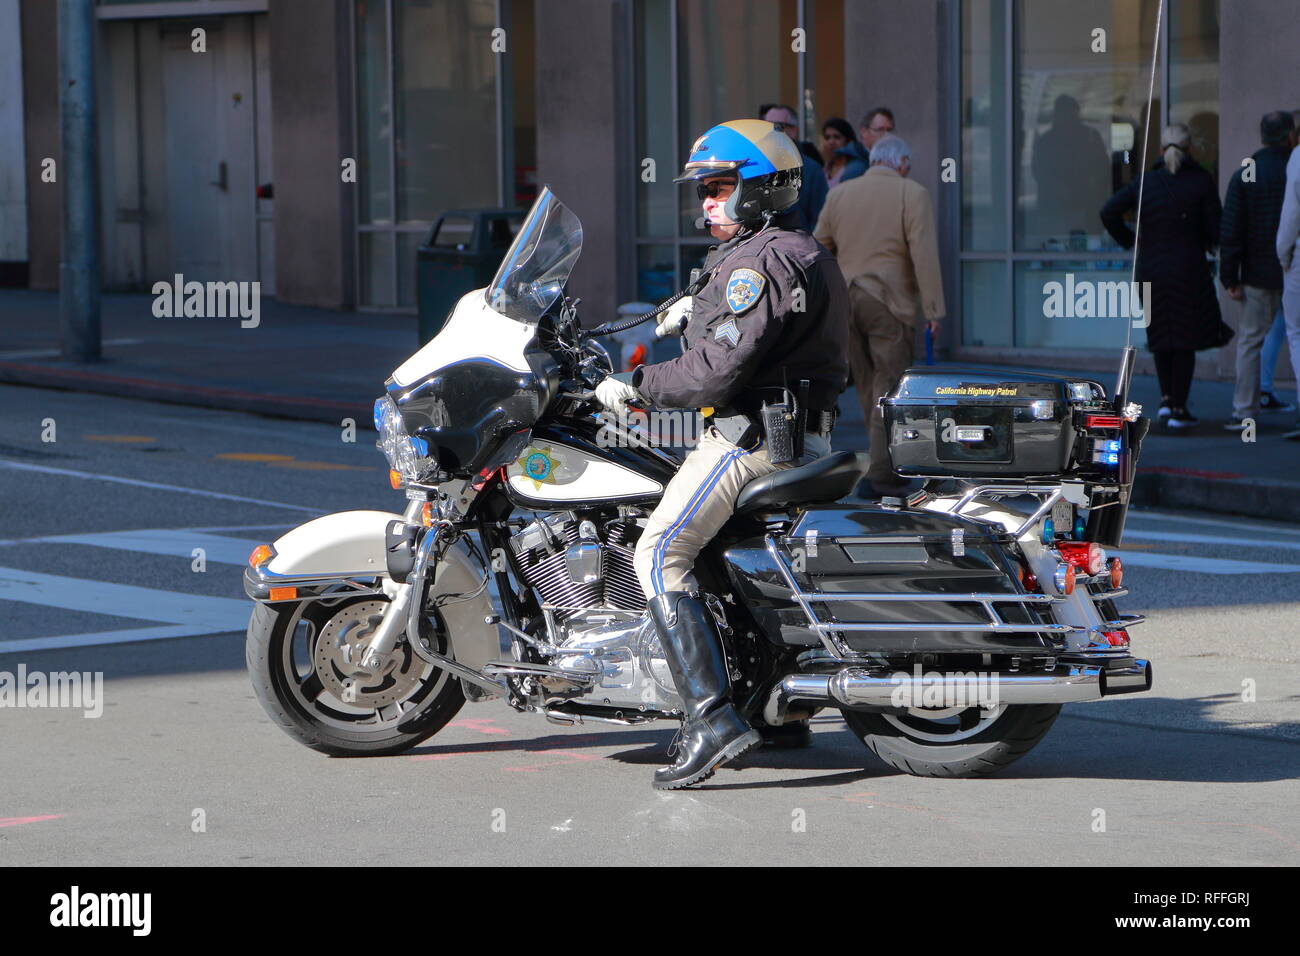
261,554
426,514
1064,578
1116,572
283,594
395,479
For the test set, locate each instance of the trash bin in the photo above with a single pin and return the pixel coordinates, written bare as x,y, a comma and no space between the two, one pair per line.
462,252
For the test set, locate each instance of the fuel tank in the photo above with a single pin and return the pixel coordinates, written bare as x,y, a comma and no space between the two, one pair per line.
576,464
867,550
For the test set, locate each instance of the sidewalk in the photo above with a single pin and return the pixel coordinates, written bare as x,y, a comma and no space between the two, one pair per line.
320,365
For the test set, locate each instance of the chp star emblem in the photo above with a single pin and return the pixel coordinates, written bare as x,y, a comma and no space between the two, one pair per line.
743,289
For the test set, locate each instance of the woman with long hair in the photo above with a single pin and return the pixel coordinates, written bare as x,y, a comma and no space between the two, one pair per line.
844,157
1180,224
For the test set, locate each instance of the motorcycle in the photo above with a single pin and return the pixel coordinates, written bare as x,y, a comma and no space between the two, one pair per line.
948,628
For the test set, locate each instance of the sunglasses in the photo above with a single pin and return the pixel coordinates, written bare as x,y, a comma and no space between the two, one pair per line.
715,190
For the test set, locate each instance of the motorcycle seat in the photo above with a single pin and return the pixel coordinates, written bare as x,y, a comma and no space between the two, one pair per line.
829,478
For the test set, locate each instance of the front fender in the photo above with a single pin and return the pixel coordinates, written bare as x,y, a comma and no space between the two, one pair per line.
342,545
348,548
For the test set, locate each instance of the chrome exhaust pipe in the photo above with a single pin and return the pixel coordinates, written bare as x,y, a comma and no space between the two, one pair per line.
1133,679
853,687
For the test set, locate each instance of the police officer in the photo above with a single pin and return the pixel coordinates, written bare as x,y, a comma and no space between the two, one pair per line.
771,312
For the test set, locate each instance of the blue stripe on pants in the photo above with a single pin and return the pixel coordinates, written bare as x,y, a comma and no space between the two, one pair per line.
657,560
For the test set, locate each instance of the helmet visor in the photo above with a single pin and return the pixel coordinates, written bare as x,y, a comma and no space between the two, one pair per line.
704,169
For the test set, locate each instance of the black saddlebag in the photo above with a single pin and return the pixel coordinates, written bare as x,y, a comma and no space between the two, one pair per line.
892,582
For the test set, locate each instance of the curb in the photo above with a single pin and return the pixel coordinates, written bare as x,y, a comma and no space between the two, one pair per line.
1271,499
299,408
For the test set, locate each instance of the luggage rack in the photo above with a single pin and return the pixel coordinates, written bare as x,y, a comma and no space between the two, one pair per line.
1051,495
826,630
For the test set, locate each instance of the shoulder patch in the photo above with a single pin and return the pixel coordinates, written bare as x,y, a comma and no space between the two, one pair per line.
743,289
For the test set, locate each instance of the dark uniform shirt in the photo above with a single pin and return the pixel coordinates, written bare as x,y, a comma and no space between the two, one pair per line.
777,311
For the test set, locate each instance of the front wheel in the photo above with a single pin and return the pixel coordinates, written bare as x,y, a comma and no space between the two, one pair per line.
301,661
953,741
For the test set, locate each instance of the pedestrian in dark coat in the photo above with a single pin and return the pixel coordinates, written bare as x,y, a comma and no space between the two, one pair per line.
1180,224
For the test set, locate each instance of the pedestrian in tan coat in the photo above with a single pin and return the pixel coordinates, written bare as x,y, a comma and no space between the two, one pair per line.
881,228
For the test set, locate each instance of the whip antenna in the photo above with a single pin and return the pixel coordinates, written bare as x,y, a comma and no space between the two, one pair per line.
1127,362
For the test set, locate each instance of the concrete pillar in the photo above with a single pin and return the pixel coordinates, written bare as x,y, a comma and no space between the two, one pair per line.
40,64
13,178
311,116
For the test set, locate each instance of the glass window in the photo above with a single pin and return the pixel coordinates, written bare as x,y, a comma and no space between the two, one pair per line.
1079,113
656,278
731,56
445,75
377,269
987,316
374,115
428,126
1076,117
984,126
1194,76
1082,304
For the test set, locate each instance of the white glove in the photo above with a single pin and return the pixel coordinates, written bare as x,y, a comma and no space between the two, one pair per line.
675,319
614,392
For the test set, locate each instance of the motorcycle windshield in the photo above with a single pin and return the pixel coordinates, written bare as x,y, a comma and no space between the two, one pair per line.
533,274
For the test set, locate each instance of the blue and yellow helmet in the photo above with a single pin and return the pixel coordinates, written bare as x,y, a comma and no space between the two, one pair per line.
768,166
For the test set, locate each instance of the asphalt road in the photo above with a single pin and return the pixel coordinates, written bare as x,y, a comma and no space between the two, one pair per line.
101,575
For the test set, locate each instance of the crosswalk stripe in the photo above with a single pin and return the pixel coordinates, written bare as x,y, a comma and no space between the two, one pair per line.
1189,562
136,482
96,638
208,614
176,543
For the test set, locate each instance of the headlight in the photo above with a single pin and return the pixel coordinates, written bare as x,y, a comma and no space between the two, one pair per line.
406,455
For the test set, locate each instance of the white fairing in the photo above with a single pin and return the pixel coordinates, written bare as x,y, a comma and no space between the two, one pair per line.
344,544
550,471
474,330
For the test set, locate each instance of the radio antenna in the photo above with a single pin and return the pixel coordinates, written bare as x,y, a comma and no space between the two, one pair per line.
1129,358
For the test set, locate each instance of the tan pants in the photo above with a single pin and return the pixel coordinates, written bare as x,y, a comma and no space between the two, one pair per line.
880,350
697,503
1256,320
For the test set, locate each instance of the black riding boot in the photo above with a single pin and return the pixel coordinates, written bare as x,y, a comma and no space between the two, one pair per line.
713,731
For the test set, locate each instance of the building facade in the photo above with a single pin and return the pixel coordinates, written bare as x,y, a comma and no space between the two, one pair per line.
310,144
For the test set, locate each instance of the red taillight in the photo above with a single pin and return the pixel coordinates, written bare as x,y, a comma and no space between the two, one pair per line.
1116,572
1116,638
1087,556
1103,421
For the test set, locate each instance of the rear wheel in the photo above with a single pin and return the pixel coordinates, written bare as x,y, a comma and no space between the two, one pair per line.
302,661
953,741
